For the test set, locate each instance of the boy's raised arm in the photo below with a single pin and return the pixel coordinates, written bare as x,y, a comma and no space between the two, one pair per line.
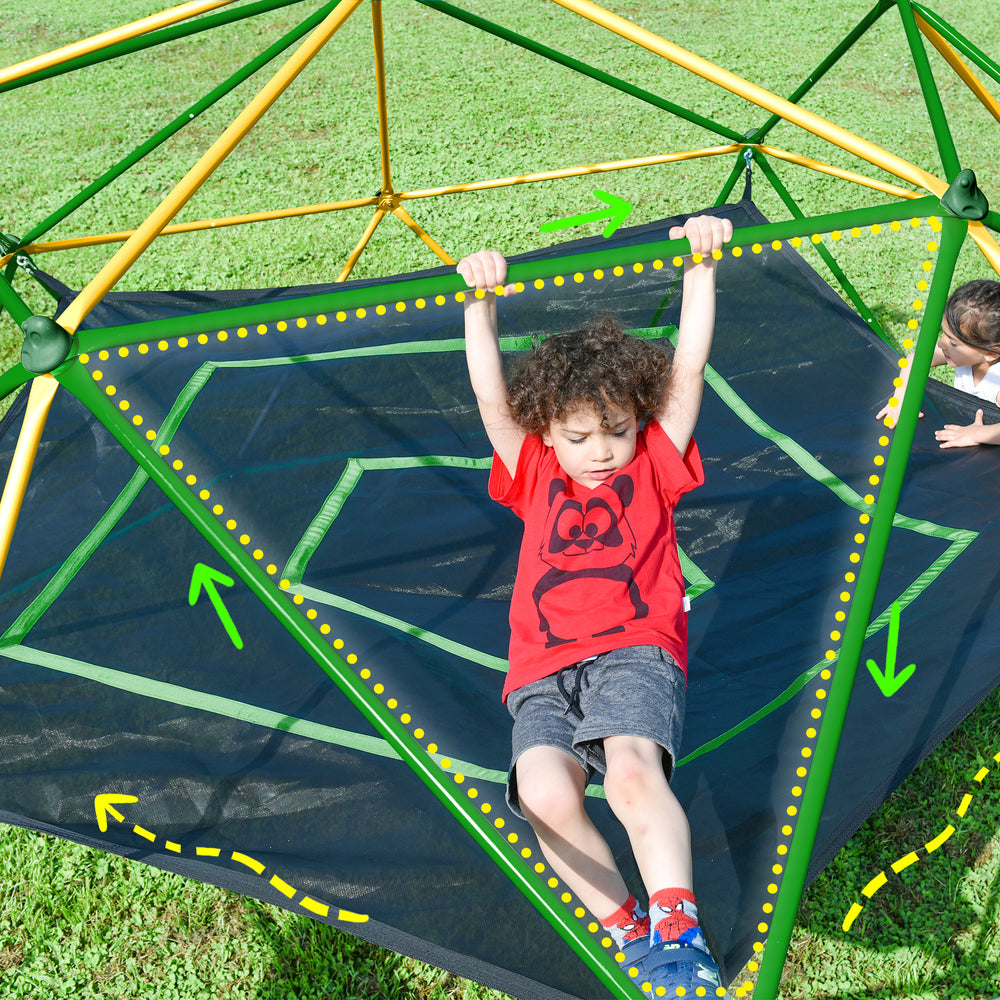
679,413
487,270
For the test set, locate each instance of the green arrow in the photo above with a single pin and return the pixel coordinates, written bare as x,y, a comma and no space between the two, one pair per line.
617,211
890,682
205,576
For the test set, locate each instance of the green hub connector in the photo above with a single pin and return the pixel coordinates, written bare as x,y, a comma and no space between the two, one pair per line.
46,345
964,198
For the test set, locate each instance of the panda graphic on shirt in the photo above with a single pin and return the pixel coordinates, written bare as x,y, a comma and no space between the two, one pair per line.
589,549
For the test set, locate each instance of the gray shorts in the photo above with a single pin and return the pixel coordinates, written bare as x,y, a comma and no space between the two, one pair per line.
635,691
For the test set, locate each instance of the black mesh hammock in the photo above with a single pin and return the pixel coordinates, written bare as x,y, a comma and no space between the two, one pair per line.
343,454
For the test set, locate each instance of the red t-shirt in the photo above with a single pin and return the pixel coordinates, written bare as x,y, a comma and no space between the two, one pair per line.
598,568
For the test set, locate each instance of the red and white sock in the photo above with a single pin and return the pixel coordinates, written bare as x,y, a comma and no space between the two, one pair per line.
628,923
672,913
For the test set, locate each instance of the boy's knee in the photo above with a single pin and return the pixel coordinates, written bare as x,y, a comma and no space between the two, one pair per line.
633,775
548,797
544,807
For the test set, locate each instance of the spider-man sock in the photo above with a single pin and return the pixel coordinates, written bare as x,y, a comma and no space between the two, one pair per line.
673,916
628,923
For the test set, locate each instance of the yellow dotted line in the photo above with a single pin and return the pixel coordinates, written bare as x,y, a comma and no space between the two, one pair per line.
801,772
700,991
459,297
657,265
913,323
638,268
913,856
850,577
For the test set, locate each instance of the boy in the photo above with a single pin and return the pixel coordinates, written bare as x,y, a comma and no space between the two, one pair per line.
593,449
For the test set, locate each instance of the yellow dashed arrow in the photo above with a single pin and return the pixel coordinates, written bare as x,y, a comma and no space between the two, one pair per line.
104,805
908,859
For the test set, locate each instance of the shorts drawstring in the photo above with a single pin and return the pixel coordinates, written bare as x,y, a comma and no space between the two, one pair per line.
572,698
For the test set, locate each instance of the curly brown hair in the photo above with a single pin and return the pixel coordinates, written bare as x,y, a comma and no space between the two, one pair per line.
596,366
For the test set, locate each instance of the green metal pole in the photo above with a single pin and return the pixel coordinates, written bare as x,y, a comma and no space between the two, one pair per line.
959,41
185,118
149,40
810,811
13,379
352,297
12,302
835,269
76,377
932,99
581,67
739,167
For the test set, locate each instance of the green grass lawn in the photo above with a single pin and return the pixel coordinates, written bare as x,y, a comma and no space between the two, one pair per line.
462,107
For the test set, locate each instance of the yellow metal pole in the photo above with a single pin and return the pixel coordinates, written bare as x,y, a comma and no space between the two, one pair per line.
190,227
758,95
401,213
43,389
383,108
107,38
111,273
952,58
379,215
75,243
552,175
846,175
987,244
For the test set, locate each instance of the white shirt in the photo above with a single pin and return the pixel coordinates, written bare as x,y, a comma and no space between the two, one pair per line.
989,385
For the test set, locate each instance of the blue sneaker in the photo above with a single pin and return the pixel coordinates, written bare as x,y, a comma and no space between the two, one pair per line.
682,968
632,959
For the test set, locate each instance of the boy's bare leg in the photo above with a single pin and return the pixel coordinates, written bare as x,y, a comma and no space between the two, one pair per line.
641,798
550,788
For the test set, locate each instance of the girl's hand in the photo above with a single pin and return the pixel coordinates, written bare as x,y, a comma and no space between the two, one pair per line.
957,436
892,412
